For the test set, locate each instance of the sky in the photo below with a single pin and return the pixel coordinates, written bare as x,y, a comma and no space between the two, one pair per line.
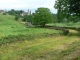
27,4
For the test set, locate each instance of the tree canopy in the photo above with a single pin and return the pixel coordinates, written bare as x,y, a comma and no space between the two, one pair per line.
67,8
15,12
42,16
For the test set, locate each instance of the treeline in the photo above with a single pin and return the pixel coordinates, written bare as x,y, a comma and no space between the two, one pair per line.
13,12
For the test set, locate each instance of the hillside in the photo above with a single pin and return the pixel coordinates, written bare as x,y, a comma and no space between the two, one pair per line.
11,27
8,26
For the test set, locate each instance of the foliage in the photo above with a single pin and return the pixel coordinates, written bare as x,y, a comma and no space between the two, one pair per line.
24,43
73,19
15,12
67,7
28,18
55,20
5,13
12,31
65,32
17,17
42,16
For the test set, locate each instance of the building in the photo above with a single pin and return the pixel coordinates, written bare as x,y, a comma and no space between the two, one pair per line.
26,13
1,11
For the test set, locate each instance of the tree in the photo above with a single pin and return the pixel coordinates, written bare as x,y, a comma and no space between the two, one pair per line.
28,18
42,16
17,17
55,18
67,8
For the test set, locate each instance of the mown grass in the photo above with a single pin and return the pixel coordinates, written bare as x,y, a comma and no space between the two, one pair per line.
34,43
50,48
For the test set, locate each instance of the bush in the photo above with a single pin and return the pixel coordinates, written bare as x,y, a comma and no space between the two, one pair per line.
65,32
17,17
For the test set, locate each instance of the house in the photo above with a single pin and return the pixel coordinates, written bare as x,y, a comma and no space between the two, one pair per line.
26,13
1,11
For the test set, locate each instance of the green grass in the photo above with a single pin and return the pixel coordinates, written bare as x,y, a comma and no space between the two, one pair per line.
13,31
50,48
66,24
8,26
34,43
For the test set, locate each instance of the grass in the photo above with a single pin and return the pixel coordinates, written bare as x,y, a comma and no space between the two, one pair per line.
66,24
13,31
34,43
43,48
11,27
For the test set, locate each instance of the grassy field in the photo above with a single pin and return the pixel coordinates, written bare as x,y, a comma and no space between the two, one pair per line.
66,24
37,43
8,26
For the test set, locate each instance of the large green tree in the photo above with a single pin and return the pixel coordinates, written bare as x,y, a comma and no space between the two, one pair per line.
67,8
42,16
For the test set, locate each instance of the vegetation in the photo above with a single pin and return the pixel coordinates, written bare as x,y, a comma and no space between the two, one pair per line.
51,48
15,12
74,19
12,30
59,39
28,18
42,16
18,41
17,17
67,24
68,9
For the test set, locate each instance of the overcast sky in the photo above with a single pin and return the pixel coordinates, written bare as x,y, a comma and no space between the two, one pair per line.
27,4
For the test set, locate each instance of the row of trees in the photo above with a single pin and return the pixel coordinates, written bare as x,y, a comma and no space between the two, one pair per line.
15,12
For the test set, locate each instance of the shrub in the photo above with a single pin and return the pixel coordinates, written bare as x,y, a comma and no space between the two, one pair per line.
65,32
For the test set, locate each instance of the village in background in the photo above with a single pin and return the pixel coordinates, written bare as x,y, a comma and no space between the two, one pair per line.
12,11
26,17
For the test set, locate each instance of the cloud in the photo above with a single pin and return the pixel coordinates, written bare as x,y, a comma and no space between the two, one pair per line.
27,4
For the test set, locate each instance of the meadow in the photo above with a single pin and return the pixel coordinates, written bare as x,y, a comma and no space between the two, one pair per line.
66,24
20,42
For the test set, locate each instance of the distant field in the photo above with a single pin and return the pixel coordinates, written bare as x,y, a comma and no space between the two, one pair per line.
35,43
